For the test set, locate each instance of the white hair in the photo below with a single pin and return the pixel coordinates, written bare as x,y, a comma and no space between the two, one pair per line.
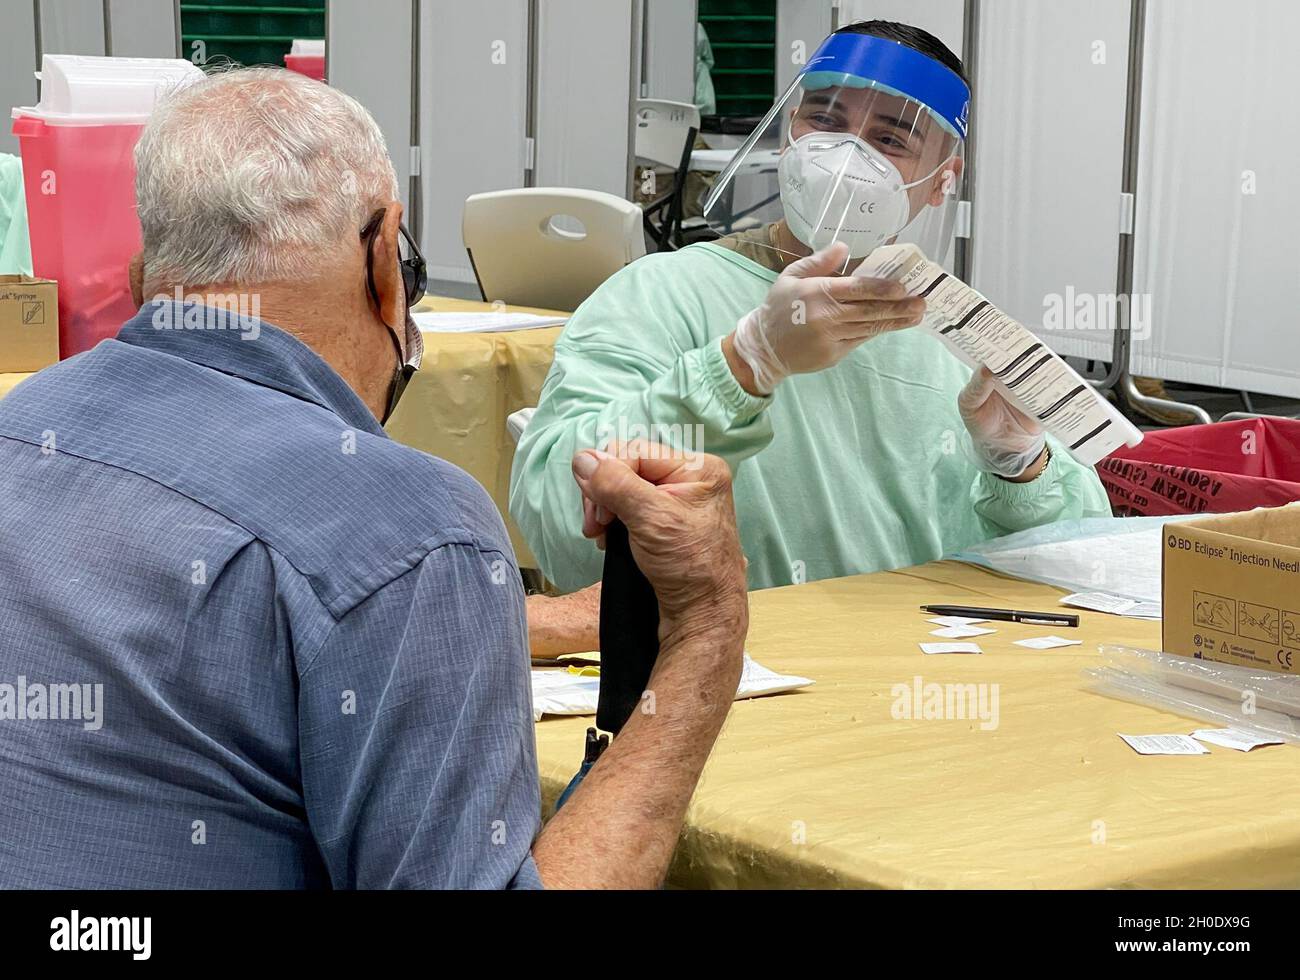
256,175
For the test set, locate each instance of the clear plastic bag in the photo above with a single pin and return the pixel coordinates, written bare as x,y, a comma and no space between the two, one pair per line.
1236,697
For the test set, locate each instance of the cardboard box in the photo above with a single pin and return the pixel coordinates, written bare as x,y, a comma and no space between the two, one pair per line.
29,323
1232,589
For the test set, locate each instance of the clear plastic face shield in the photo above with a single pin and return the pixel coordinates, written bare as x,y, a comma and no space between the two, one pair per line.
865,147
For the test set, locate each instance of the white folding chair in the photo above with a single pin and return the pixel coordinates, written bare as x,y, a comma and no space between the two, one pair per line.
548,246
665,138
661,129
516,422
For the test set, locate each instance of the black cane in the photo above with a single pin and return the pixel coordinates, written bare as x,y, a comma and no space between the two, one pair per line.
629,632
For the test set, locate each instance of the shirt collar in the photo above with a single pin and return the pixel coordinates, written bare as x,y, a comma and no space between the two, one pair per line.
249,348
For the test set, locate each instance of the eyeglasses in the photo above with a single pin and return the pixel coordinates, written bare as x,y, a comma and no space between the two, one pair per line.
415,274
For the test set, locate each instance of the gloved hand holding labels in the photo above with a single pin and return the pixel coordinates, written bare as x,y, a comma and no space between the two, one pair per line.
1006,440
1037,388
812,318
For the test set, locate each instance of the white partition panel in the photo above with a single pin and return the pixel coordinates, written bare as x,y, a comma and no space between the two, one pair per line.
473,117
28,28
17,67
945,19
668,50
70,26
368,56
801,25
142,28
1218,203
583,94
1048,115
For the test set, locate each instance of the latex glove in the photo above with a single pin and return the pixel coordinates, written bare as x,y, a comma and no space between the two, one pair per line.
812,318
1006,440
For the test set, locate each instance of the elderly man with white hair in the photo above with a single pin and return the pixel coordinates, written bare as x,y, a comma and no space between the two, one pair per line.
248,641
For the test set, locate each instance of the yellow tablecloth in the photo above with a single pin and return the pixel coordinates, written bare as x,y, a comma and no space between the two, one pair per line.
457,403
7,382
1050,798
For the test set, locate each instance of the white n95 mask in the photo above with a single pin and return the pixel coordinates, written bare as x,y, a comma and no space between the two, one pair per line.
836,187
405,368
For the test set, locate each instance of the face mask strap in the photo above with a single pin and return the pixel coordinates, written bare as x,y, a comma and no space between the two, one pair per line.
369,233
414,280
930,176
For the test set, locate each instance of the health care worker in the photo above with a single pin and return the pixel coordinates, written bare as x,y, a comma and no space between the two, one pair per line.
856,444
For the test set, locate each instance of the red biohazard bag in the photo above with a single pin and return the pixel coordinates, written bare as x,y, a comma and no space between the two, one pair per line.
1206,469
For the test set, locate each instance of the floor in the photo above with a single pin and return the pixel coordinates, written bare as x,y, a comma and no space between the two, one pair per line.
1217,401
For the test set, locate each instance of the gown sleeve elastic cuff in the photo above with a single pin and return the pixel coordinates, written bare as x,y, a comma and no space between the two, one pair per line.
739,403
1022,493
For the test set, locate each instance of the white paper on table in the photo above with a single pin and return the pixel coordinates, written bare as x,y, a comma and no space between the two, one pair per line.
433,322
955,620
1099,602
1114,604
715,161
1121,555
931,648
557,692
1047,642
1164,745
1241,739
1146,610
961,632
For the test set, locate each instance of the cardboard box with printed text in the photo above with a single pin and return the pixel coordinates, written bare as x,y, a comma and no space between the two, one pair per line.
1231,588
29,323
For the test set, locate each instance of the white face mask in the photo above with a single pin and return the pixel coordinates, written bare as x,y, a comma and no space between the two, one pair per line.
835,187
414,343
414,355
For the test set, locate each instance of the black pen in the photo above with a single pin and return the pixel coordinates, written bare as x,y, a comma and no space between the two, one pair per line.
1006,615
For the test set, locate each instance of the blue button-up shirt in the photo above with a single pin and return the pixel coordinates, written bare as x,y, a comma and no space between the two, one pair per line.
246,640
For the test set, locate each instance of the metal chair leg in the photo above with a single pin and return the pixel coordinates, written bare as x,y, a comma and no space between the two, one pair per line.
1136,397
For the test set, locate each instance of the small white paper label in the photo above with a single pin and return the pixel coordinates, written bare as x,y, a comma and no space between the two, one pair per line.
950,648
1100,602
1047,642
1164,744
956,621
961,632
1234,738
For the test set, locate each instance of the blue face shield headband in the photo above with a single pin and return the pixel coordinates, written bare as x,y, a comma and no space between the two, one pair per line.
865,61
